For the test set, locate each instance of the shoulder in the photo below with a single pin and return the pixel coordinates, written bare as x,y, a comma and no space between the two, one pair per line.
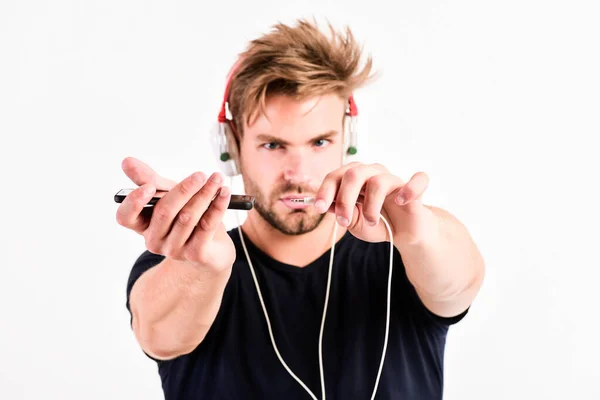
146,260
142,263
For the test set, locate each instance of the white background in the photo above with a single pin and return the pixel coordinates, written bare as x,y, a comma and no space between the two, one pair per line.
498,102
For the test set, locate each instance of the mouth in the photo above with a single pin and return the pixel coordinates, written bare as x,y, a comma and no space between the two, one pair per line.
297,197
297,202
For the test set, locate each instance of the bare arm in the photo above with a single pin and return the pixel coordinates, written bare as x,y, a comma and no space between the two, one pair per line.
447,269
174,303
442,261
173,306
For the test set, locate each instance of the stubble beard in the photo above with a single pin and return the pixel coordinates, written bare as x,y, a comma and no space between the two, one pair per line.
292,222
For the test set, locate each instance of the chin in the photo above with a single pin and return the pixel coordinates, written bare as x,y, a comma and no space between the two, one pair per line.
291,222
298,222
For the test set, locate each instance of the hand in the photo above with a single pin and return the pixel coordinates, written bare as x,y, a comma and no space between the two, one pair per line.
184,225
357,194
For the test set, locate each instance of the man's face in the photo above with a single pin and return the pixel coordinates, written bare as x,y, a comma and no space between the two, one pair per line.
287,153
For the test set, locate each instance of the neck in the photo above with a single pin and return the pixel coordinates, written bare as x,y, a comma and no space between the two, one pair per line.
298,250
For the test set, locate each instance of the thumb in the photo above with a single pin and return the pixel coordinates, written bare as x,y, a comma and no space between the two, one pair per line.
141,173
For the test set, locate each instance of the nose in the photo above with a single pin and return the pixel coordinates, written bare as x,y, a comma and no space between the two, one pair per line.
295,170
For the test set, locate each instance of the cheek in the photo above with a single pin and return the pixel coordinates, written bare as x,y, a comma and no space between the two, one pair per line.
320,171
265,172
260,172
327,163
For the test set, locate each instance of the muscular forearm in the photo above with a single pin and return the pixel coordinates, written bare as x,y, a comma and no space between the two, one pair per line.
173,306
446,267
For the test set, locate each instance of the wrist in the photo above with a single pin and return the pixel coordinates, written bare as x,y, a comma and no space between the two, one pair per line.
425,230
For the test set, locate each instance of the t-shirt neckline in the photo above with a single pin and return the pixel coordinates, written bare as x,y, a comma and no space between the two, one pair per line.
255,252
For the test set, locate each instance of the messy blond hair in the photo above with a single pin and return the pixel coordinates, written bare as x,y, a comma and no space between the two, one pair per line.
299,61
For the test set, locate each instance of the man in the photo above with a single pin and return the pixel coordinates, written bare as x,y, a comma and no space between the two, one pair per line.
195,307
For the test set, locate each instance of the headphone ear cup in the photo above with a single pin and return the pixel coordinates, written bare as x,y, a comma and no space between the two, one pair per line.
232,148
349,146
225,151
346,140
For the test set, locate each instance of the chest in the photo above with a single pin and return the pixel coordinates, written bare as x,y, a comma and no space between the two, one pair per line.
238,360
352,338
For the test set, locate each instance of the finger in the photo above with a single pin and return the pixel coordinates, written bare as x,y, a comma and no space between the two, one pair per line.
188,218
211,219
129,213
326,194
141,173
413,190
167,208
377,189
352,182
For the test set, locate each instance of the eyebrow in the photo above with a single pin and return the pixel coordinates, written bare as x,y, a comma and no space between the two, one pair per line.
270,138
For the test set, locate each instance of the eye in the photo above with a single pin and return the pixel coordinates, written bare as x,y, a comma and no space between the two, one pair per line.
321,142
271,146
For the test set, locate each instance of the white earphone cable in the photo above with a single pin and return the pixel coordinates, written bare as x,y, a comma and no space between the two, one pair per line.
262,303
389,301
321,369
333,240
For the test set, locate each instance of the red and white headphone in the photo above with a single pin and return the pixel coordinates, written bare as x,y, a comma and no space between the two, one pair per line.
226,147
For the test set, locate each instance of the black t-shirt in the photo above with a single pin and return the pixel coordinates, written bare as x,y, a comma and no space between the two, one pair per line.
236,359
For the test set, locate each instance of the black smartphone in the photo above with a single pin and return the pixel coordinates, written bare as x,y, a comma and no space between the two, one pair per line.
237,201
